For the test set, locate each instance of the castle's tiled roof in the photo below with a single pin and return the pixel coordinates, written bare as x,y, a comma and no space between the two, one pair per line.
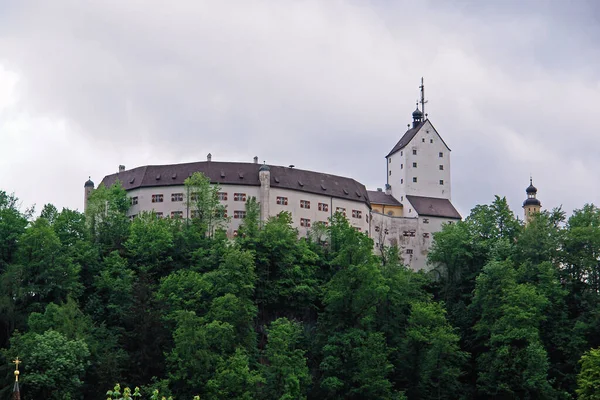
405,139
236,173
433,207
377,197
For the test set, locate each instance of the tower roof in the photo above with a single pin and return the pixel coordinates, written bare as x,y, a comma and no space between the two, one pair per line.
531,188
417,114
89,183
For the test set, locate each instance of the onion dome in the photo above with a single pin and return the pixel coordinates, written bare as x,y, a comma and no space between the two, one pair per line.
417,114
264,167
532,201
89,183
531,188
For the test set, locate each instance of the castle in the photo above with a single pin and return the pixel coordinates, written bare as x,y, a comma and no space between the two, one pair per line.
415,203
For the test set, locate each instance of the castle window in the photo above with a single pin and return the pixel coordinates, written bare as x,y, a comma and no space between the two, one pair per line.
159,215
239,214
426,235
134,200
441,154
423,140
239,196
283,201
176,196
356,214
430,140
176,214
415,179
425,220
401,198
441,167
221,213
409,251
304,204
390,160
414,165
305,222
401,181
157,198
377,229
441,181
222,196
341,210
401,166
401,152
390,173
323,207
414,152
235,233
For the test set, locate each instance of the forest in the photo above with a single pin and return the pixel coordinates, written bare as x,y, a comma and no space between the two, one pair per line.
99,306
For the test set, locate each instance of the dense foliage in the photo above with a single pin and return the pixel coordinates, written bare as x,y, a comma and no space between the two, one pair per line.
172,306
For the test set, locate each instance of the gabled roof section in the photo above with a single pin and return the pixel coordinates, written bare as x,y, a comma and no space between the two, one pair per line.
410,134
377,197
433,207
236,173
405,139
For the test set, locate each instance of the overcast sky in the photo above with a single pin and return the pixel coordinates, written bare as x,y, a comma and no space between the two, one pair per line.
513,88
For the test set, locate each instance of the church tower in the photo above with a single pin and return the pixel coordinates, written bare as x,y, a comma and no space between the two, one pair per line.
531,205
88,188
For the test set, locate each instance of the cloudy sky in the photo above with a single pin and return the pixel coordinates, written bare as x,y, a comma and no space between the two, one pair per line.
327,85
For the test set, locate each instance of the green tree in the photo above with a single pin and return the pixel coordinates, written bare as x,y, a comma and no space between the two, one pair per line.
54,365
588,380
287,375
234,379
12,225
202,200
106,217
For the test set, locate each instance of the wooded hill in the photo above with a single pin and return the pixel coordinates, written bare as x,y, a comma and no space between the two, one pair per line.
88,301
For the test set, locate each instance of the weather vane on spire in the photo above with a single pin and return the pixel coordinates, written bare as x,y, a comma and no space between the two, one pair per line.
423,101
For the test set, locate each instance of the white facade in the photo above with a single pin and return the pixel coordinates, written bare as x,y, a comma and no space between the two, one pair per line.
306,208
422,167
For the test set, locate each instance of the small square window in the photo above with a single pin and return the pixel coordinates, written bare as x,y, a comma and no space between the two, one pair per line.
239,214
441,181
341,210
176,197
305,222
222,196
414,152
323,207
425,220
134,200
304,204
414,165
159,215
423,140
414,179
239,196
283,201
430,140
157,198
356,214
409,251
176,214
441,155
441,167
426,235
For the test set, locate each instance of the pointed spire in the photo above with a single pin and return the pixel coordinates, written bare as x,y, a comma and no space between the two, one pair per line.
16,391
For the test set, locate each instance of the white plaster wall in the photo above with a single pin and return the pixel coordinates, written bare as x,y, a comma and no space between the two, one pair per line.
313,213
294,196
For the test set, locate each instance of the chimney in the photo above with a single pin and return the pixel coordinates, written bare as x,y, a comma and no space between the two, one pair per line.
121,168
255,159
209,157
